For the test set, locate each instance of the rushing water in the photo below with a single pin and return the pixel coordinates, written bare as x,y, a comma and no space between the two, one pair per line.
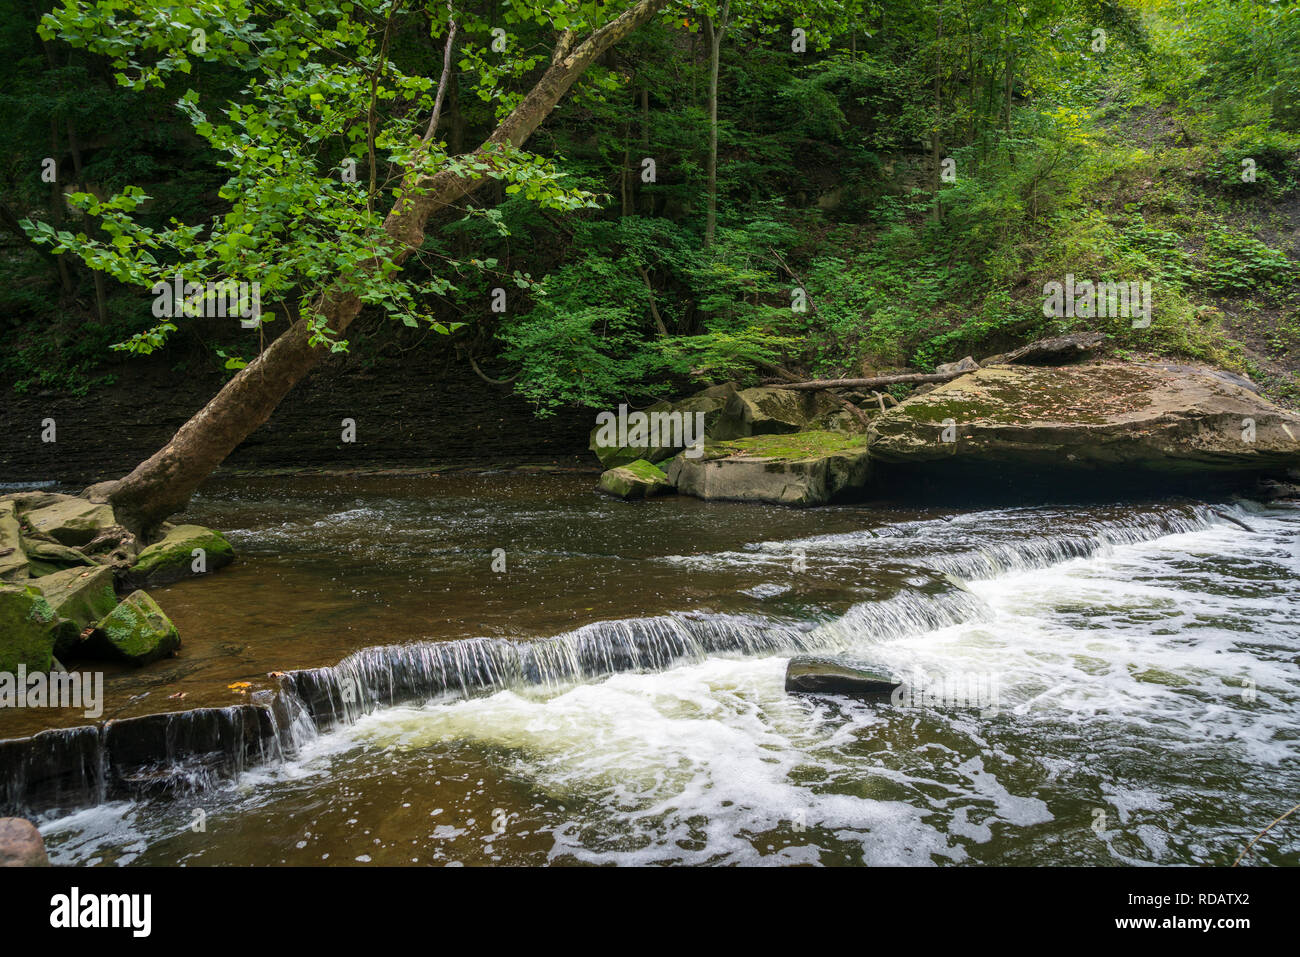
1130,673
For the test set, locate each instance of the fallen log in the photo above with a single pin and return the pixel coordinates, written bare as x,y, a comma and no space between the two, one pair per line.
873,383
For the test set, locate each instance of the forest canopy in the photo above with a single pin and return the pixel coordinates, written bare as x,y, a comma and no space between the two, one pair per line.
732,191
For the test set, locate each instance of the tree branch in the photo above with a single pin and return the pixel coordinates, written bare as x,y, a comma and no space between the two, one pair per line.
654,310
446,74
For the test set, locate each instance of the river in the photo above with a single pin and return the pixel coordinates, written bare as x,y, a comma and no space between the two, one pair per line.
592,682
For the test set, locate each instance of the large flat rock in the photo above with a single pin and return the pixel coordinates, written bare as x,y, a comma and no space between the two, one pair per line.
1109,416
71,521
807,468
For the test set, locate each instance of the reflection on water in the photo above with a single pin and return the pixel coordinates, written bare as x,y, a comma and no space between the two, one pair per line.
1145,660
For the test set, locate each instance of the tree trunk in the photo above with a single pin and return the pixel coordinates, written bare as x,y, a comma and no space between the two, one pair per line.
163,483
936,147
714,36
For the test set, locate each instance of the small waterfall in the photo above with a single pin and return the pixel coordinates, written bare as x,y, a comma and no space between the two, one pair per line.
393,674
181,752
177,752
1027,553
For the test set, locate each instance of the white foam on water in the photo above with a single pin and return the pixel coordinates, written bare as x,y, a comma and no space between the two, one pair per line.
1138,646
686,765
1119,702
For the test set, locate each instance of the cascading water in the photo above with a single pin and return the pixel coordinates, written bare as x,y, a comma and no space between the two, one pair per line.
609,715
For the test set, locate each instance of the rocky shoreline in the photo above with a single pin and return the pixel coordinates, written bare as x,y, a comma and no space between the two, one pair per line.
1099,423
72,583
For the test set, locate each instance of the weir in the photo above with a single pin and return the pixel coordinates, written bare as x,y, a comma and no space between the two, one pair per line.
177,753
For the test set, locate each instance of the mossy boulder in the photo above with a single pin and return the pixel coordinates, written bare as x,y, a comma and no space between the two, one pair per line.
13,557
174,557
803,469
619,439
84,595
136,631
29,628
1100,416
71,521
767,410
639,479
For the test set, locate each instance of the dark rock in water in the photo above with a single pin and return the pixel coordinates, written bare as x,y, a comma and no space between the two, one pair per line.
638,479
168,753
21,844
184,552
136,630
807,674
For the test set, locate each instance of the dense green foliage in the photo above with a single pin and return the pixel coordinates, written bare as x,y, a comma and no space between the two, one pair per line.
1099,138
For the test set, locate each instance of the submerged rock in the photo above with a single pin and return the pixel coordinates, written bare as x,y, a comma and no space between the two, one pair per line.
808,468
174,557
21,844
71,521
639,479
1101,416
808,674
136,631
29,629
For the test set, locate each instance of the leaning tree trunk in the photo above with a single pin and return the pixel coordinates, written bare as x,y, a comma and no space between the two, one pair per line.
162,484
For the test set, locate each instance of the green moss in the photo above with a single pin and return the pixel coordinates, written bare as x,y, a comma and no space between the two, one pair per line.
137,630
646,471
172,558
28,628
635,480
791,446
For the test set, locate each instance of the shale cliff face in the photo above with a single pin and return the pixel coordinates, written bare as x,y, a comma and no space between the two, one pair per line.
424,408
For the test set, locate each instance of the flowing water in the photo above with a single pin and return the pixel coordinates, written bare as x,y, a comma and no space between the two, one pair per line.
1108,684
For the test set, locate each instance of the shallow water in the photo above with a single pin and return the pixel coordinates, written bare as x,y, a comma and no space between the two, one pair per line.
1121,682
